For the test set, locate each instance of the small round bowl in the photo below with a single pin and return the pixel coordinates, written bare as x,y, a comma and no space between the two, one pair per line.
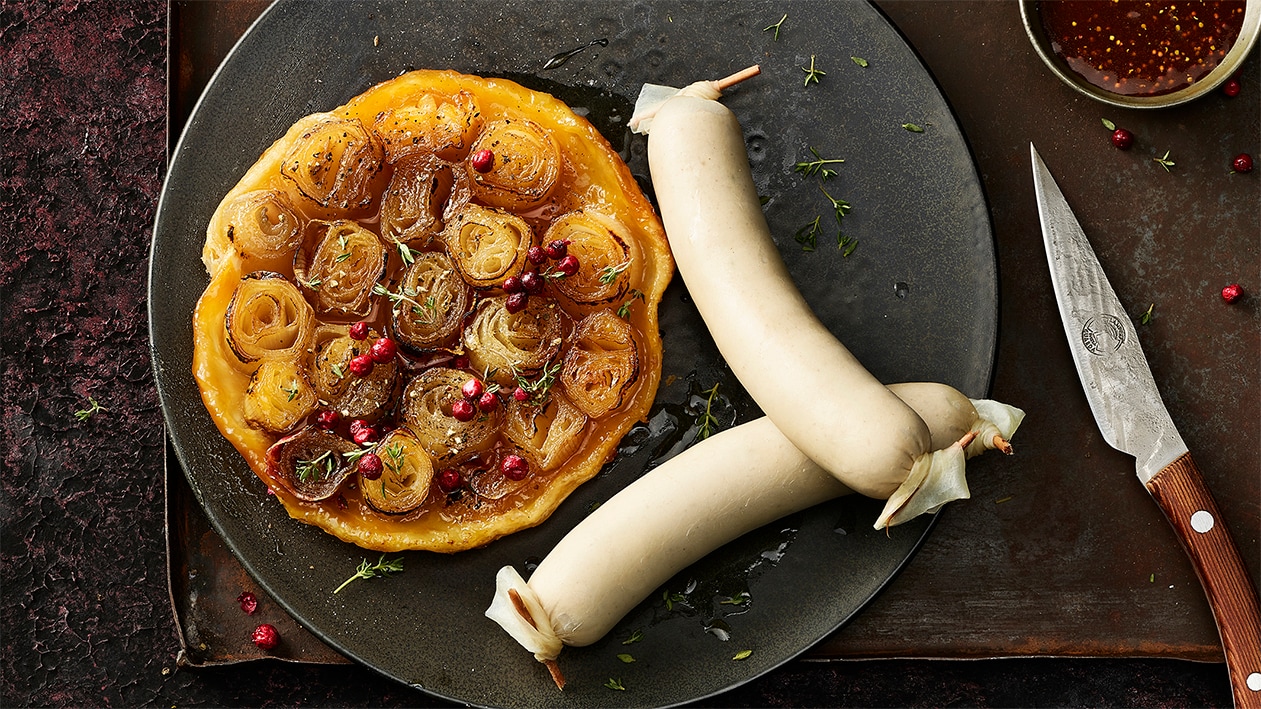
1029,15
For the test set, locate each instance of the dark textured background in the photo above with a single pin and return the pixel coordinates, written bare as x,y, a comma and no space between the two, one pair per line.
85,617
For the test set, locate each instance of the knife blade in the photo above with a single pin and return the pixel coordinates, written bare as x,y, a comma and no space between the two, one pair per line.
1132,417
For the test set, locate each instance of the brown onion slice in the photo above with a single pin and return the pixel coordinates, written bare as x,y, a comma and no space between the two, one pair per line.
431,122
338,271
487,245
525,167
603,250
601,364
262,224
353,396
279,396
513,343
549,432
426,409
438,300
268,318
333,163
406,474
422,193
311,463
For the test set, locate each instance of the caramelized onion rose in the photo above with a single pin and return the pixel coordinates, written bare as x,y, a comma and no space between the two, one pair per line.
334,162
550,432
525,166
339,270
423,192
601,364
279,396
310,464
430,122
352,396
268,318
426,410
513,343
438,300
407,471
487,245
262,225
604,257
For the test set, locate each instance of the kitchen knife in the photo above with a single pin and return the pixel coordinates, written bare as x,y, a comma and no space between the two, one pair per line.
1129,412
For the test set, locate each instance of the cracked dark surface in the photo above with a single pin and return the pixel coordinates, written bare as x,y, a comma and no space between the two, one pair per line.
86,619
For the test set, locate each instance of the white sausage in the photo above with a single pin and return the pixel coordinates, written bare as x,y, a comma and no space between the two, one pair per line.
817,393
708,495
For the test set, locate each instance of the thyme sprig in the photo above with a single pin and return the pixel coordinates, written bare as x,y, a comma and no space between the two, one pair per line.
624,311
405,253
775,27
321,466
405,295
539,389
381,568
808,235
1146,317
615,684
610,273
812,73
94,408
707,420
818,166
1164,161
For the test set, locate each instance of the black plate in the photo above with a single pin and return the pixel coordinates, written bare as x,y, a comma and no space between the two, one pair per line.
915,300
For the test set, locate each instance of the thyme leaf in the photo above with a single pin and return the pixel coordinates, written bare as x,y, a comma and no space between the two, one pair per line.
291,390
94,408
1146,317
624,311
626,657
381,568
743,654
859,61
808,235
818,166
913,127
707,421
776,27
321,466
812,74
1165,162
615,684
405,253
635,636
1109,124
610,273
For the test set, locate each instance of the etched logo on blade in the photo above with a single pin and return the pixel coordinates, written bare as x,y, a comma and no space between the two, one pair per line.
1103,334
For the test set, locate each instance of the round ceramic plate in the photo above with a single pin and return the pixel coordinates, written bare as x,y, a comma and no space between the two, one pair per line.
915,300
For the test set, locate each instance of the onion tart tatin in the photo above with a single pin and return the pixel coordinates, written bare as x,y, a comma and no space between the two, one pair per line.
432,312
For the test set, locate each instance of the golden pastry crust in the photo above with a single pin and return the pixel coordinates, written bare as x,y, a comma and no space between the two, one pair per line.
309,199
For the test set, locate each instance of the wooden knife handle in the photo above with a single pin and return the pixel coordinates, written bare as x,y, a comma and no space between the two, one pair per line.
1180,491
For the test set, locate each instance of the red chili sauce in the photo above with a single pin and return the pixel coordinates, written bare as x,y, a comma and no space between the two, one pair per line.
1138,48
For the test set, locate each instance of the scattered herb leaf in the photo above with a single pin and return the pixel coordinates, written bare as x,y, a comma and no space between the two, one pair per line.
1151,579
626,657
406,295
635,636
743,654
624,311
808,235
1146,317
735,600
859,61
818,166
338,371
912,128
1109,124
367,571
813,74
405,253
321,466
540,388
672,598
615,684
94,408
1165,162
1001,500
291,390
775,27
610,273
352,456
708,423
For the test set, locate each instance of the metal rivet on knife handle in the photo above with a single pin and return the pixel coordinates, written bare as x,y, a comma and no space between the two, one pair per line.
1180,491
